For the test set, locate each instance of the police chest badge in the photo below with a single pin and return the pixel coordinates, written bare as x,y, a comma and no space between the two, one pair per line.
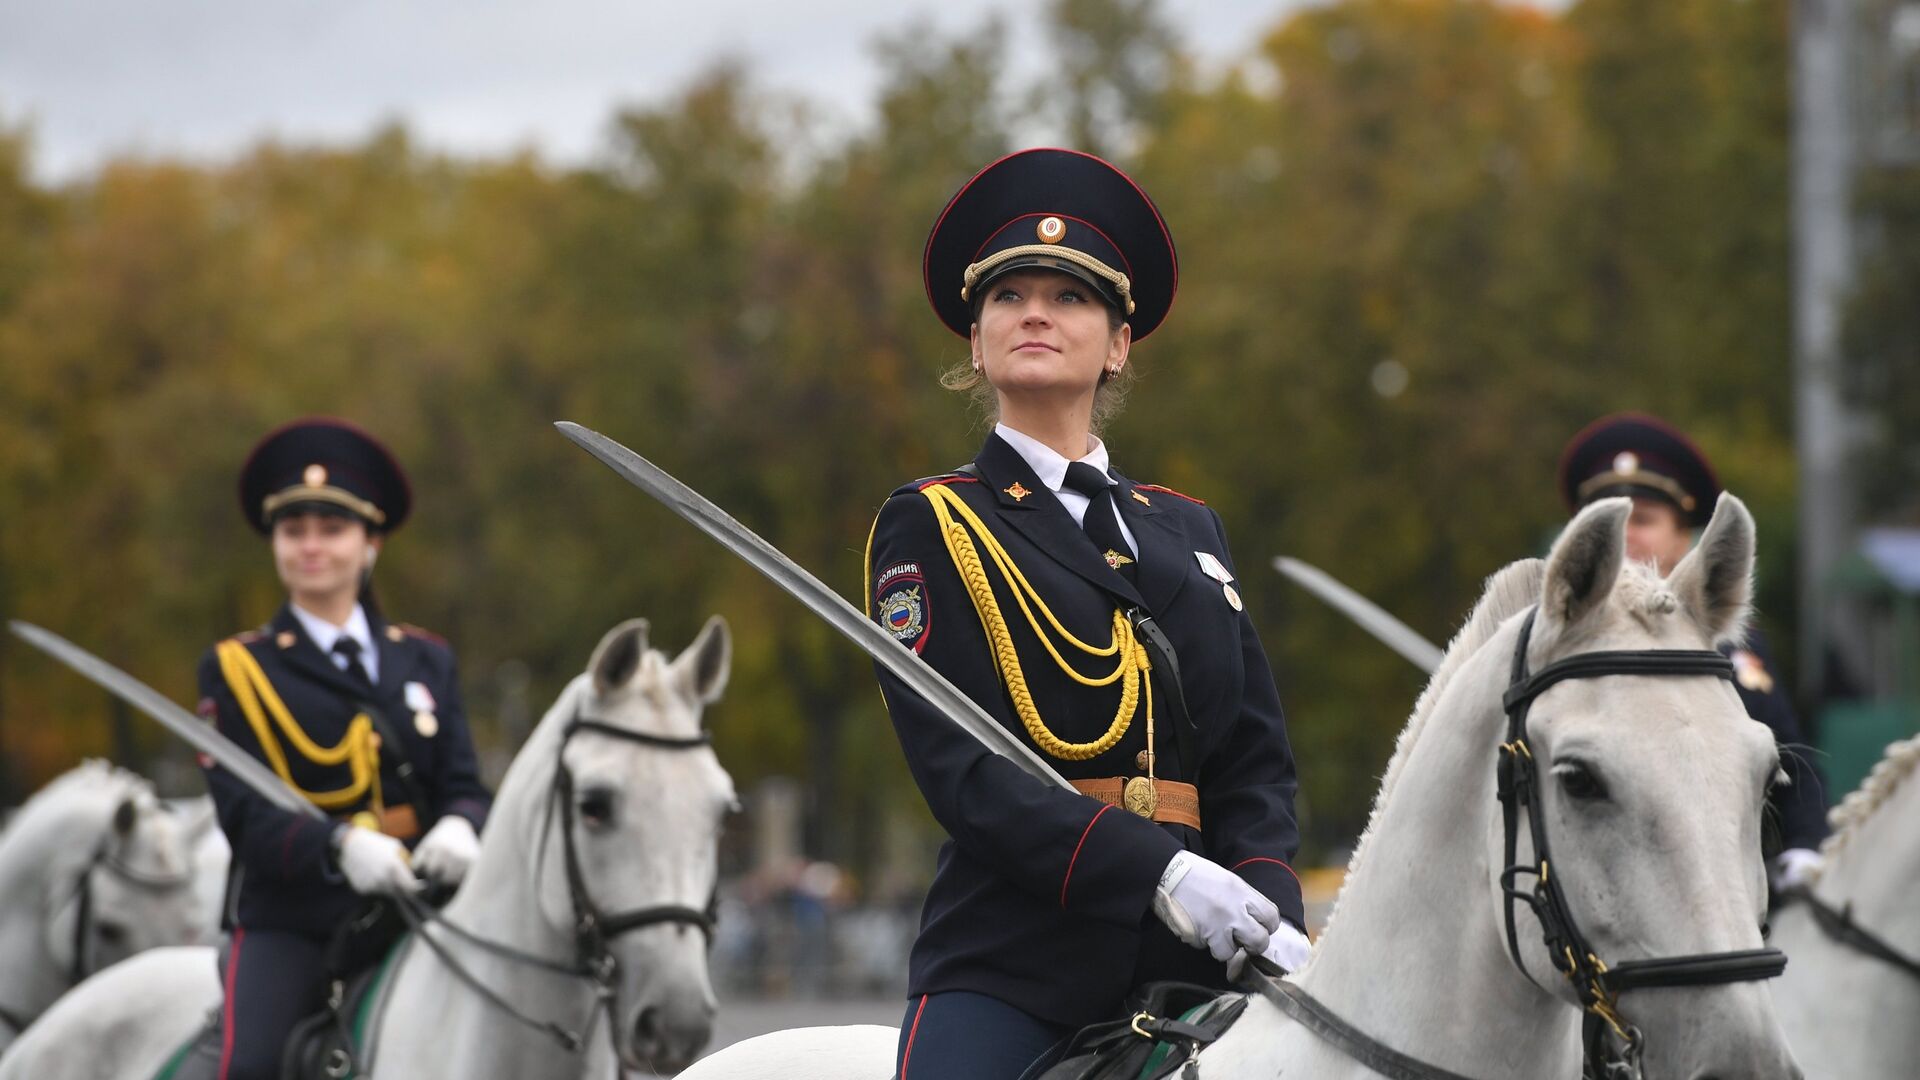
900,603
420,700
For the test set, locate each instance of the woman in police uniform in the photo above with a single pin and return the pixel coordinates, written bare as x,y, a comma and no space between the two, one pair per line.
1097,617
360,715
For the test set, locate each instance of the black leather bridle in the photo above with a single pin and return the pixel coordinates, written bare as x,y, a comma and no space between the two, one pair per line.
1597,985
104,859
594,930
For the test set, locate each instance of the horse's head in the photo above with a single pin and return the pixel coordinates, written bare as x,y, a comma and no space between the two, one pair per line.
127,885
644,801
1653,787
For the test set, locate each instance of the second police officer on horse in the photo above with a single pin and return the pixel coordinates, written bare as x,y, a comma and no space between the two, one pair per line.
361,715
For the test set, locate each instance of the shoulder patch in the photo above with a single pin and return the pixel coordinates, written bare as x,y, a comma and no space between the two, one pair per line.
1170,491
900,604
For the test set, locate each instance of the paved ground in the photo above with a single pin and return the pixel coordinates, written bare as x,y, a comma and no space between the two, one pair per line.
744,1018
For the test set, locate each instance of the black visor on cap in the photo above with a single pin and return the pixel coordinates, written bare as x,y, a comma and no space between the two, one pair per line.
1054,210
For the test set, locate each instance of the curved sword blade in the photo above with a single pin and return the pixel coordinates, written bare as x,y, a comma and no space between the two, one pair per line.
201,736
1390,631
903,662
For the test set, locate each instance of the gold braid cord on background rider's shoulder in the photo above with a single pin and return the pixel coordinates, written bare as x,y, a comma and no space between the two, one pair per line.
958,527
359,750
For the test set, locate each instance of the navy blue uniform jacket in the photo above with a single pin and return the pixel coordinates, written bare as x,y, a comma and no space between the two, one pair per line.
1800,807
283,877
1042,896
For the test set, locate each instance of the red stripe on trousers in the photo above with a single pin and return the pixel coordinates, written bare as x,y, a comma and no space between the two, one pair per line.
907,1054
226,1008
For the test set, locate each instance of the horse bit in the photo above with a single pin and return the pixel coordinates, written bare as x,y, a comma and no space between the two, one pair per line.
1597,985
594,930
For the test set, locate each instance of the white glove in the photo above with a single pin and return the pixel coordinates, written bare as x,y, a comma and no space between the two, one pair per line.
1289,948
1210,907
375,862
448,850
1795,868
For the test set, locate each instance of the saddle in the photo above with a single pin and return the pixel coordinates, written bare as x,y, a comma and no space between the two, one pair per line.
1167,1023
328,1044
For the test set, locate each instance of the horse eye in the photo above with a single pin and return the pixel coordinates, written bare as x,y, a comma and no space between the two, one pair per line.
596,807
1579,781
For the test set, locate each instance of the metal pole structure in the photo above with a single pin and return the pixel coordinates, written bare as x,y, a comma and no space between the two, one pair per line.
1824,149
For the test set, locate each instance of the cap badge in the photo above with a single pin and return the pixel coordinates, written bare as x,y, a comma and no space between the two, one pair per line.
1626,463
315,476
1018,491
1051,230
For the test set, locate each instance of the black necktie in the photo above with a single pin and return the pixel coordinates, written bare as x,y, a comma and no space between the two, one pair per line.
349,648
1102,520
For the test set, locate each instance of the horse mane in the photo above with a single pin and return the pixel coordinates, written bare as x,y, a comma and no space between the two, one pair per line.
1900,762
1507,593
37,835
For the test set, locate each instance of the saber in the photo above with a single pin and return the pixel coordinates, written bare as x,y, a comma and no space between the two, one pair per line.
200,736
1391,632
903,662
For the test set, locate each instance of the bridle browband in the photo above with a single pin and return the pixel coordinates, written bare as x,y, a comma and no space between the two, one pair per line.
1596,984
594,930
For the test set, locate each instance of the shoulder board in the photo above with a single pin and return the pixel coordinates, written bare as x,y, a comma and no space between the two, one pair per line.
400,631
1170,491
925,482
248,637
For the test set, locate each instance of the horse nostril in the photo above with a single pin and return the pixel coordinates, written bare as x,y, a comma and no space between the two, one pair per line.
646,1027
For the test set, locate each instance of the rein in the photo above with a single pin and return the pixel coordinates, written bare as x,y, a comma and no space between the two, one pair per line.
1597,985
594,930
1838,924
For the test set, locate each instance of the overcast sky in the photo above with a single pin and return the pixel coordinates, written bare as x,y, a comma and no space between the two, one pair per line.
206,77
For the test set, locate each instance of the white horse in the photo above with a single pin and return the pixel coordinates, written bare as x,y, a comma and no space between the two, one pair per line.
93,869
1654,788
618,783
1850,1015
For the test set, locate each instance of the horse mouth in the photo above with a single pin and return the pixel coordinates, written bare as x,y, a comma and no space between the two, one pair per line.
666,1040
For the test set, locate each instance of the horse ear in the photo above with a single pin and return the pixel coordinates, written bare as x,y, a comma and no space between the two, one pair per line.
617,657
1585,562
124,816
1715,581
703,667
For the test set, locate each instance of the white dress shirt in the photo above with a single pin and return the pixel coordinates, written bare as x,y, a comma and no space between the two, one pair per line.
324,634
1051,468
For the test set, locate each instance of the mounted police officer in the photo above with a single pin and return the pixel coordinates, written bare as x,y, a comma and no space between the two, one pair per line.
360,715
1674,489
1096,616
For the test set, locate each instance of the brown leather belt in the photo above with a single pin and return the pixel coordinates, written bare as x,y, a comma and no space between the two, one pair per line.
1179,804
